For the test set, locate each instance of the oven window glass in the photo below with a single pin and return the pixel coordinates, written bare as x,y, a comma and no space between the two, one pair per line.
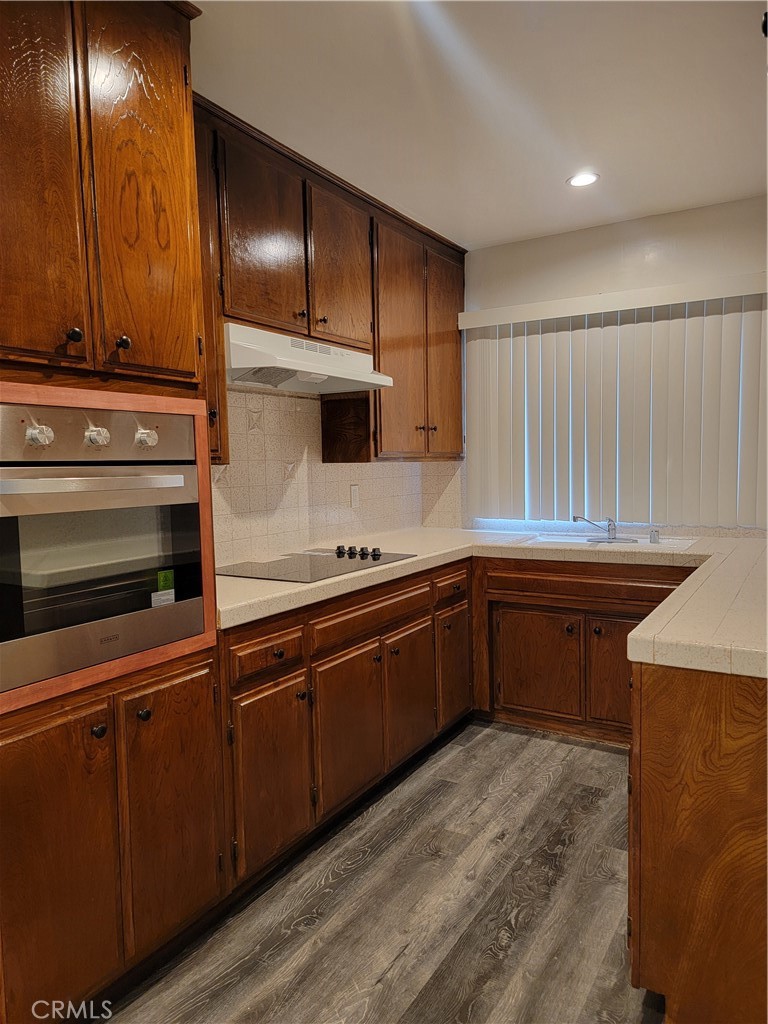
65,569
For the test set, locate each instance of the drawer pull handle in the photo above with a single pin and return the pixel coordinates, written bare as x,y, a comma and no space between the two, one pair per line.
457,587
145,714
279,653
422,427
302,314
433,429
322,319
99,731
446,625
570,629
123,342
301,695
75,334
395,650
377,657
597,630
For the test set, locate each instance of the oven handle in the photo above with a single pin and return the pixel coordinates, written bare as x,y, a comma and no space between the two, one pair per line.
57,485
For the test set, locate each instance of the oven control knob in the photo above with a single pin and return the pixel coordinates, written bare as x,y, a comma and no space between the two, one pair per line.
364,552
146,438
97,436
40,435
352,551
340,551
376,554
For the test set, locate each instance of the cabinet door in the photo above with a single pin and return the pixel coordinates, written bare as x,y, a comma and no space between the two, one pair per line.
59,860
349,724
273,770
608,669
409,690
402,343
454,674
538,660
144,180
445,386
171,800
341,271
42,271
263,247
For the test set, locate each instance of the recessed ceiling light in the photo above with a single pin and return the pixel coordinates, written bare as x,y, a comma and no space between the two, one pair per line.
583,178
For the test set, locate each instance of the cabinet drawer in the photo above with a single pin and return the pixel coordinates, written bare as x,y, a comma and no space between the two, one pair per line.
579,588
451,586
255,657
368,618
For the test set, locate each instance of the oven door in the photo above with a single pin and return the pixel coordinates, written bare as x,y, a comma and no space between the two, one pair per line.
96,562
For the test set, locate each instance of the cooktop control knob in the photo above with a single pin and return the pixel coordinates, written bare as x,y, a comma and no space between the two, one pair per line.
146,438
376,554
352,551
364,552
40,435
98,436
340,551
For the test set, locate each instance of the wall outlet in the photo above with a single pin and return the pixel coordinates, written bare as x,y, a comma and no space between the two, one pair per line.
354,495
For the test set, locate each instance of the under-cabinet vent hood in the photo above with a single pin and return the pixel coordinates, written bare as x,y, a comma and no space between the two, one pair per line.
265,359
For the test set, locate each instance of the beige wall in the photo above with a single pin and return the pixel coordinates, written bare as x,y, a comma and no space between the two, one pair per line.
727,240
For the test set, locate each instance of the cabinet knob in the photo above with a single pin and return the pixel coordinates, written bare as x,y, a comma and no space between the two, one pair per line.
301,695
322,319
99,731
457,587
302,314
447,625
597,631
75,334
570,629
377,657
422,427
433,429
395,650
279,653
144,715
123,342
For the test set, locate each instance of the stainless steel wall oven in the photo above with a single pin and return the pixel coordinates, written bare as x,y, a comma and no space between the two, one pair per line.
100,543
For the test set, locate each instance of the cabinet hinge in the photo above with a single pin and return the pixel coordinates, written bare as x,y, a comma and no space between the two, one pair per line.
629,784
371,326
186,76
215,693
629,927
235,850
230,734
221,862
313,795
200,344
221,285
311,696
370,234
631,682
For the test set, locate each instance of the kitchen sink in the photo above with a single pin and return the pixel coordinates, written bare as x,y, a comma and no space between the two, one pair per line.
667,543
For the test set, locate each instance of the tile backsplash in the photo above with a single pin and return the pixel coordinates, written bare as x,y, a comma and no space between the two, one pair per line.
277,495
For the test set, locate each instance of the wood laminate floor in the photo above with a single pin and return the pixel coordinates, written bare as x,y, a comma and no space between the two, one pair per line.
489,886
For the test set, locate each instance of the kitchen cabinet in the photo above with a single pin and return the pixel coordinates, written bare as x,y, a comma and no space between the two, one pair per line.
697,850
43,276
454,671
273,776
409,688
348,724
60,913
538,661
103,265
171,798
445,394
340,269
608,669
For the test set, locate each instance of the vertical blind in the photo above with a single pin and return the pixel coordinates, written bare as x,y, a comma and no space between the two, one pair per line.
645,415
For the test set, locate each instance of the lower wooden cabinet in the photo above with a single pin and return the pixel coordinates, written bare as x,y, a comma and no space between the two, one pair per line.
538,662
608,669
409,687
60,912
349,724
171,797
454,672
273,777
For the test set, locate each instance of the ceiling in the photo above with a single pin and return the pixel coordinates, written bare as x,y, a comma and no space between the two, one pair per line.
468,116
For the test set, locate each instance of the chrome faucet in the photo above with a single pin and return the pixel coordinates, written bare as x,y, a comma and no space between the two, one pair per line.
610,529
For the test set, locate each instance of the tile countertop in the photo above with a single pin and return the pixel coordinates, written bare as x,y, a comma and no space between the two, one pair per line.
715,620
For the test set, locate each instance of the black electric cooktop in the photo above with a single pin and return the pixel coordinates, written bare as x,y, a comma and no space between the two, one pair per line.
313,565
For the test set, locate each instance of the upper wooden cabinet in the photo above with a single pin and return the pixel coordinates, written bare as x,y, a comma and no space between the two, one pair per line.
101,210
43,279
264,262
445,406
341,287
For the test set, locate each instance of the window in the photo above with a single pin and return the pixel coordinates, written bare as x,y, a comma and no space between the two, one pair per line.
645,415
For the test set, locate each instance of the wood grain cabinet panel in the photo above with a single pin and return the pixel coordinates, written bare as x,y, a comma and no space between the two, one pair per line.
608,669
59,860
273,770
538,662
402,343
143,166
409,690
454,671
43,280
263,245
171,782
341,269
348,724
445,388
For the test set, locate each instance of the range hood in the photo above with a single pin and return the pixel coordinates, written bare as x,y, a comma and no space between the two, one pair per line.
265,359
